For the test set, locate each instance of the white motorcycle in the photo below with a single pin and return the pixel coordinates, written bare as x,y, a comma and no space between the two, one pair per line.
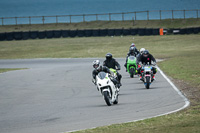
107,88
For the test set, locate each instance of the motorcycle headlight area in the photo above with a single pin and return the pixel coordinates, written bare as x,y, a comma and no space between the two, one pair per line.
107,81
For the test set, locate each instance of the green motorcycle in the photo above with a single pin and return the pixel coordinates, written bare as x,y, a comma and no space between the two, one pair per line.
131,66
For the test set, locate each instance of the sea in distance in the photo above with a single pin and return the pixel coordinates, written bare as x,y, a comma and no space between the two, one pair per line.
26,8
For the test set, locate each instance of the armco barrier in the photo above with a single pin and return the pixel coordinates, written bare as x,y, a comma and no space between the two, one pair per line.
41,34
2,36
93,32
33,34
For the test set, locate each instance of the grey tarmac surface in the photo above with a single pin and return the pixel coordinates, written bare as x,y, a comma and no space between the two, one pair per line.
57,95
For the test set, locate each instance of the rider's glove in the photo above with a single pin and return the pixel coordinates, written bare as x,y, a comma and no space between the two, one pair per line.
154,63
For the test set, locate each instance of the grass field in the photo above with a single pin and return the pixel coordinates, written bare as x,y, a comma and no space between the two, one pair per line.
182,61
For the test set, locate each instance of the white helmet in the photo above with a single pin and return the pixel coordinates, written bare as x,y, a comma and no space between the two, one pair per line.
142,50
132,45
96,64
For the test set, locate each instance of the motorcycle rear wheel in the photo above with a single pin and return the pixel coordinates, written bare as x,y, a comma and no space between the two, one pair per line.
132,72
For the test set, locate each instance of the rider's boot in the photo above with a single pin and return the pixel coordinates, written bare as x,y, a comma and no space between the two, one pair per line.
117,87
141,77
120,82
153,78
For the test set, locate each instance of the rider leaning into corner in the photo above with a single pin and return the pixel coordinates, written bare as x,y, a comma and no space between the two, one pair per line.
98,68
112,63
146,58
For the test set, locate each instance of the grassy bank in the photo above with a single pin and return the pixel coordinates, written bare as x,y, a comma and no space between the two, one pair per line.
10,69
168,23
182,54
182,122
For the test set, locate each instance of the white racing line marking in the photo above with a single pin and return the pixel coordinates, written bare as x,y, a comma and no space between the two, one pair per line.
187,103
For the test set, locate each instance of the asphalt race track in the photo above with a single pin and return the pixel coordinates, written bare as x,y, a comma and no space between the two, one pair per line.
57,95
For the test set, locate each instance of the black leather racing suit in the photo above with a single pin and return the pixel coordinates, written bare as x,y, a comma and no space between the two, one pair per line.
146,60
112,63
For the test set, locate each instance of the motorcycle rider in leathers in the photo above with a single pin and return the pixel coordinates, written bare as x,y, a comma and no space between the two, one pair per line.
112,63
141,52
132,52
98,68
136,50
146,58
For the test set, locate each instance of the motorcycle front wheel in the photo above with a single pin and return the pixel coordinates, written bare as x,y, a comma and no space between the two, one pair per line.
147,82
107,98
132,72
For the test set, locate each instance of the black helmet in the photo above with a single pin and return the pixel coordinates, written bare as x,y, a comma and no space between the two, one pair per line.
108,56
145,53
132,49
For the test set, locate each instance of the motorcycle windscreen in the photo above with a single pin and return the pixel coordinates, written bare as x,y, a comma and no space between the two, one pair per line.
147,68
132,58
102,75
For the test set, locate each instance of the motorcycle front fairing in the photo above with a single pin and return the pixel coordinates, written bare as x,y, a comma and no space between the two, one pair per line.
147,72
131,62
105,84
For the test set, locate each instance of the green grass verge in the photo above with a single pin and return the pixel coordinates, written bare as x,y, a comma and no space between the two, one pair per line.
2,70
181,122
182,62
167,23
